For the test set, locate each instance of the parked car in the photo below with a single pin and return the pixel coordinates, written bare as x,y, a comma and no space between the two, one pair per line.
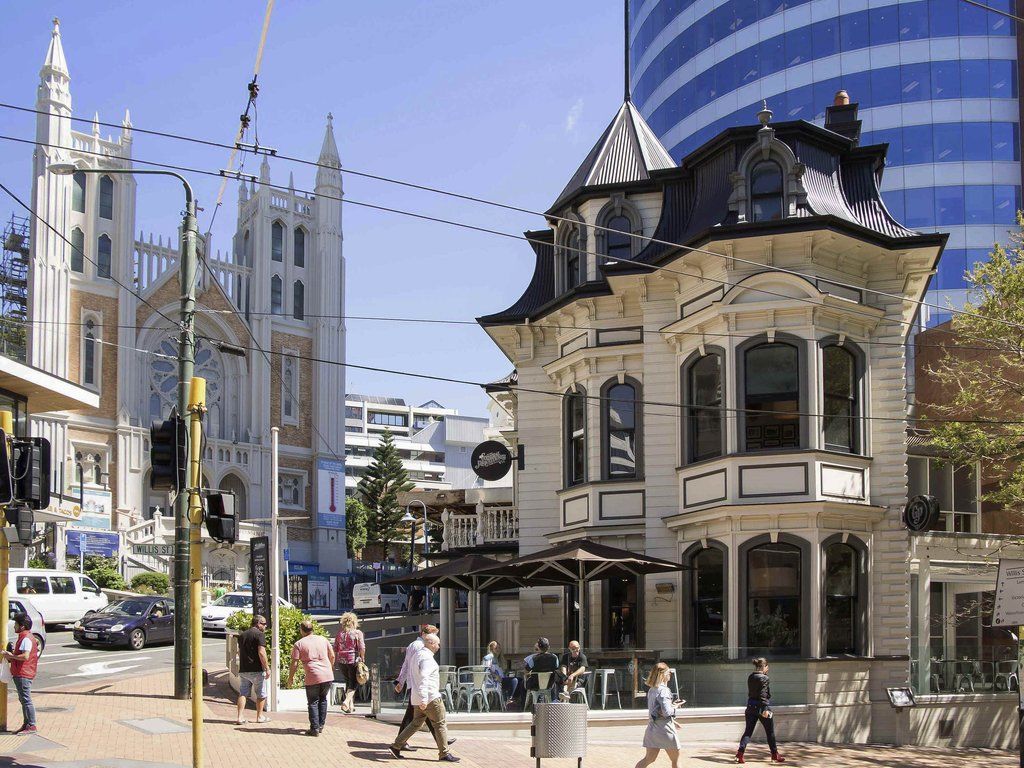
38,625
379,598
63,597
217,613
133,622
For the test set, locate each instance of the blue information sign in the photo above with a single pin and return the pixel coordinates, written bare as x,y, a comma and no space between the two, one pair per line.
330,494
94,543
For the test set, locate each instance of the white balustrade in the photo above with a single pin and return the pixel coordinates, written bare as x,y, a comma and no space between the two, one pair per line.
494,525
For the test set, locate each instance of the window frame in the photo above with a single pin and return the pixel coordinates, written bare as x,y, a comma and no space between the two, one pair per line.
91,347
79,191
948,517
753,198
859,436
804,547
299,238
298,300
686,388
741,388
638,430
77,246
105,198
104,258
862,598
277,248
689,594
619,206
301,479
290,394
276,284
569,438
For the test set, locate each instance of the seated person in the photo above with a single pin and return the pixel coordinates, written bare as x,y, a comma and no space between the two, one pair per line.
570,673
495,663
542,660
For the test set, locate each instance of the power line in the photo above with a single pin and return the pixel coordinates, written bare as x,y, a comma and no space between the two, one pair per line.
535,241
554,217
995,10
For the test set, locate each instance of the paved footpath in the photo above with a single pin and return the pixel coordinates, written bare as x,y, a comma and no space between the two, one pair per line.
136,723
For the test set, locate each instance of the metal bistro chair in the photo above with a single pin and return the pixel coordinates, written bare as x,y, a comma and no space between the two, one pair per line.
602,691
1006,676
471,687
492,688
585,689
445,675
966,673
541,693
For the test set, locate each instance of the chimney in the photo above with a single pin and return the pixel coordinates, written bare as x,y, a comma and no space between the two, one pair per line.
841,117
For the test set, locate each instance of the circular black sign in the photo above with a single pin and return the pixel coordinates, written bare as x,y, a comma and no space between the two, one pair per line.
921,513
491,460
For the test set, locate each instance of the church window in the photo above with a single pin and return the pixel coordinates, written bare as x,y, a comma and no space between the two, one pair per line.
289,388
78,192
299,247
106,198
277,241
89,362
77,250
103,257
275,295
298,300
290,491
163,382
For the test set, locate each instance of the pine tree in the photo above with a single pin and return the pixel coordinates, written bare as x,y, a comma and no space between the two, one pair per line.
356,515
385,478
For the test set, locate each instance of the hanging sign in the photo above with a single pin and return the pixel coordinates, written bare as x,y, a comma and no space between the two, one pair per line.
1008,610
491,460
259,568
921,513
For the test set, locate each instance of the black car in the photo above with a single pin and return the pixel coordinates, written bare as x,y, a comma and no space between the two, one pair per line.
133,622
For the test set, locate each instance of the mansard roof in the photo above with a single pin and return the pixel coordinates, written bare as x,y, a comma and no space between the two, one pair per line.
839,177
628,151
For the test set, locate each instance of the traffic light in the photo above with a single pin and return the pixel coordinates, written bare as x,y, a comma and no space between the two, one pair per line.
220,517
168,456
32,472
6,485
23,519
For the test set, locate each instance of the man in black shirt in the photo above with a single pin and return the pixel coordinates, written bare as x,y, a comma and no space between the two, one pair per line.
253,668
540,661
574,665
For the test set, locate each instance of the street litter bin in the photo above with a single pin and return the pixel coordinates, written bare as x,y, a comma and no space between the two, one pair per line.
559,730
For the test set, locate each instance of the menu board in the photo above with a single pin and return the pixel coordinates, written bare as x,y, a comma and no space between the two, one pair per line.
259,567
1009,607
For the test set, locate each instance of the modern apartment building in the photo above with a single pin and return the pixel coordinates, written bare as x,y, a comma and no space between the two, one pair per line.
435,442
936,80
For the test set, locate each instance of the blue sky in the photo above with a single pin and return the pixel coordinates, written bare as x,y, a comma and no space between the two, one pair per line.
497,99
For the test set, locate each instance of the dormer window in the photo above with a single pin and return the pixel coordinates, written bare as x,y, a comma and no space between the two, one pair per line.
619,243
573,260
766,193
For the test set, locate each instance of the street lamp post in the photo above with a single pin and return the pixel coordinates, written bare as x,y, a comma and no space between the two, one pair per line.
187,266
408,518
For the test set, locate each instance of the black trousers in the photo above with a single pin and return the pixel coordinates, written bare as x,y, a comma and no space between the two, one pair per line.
409,712
752,715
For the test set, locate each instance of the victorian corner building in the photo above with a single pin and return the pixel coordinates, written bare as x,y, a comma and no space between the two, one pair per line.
731,393
100,295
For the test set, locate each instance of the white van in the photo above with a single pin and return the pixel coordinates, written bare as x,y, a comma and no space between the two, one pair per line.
385,598
62,597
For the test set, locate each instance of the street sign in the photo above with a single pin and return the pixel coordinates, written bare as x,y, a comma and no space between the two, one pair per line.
1009,608
154,550
259,567
921,513
491,460
100,543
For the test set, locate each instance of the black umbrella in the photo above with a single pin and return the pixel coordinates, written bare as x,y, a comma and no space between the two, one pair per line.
577,562
462,573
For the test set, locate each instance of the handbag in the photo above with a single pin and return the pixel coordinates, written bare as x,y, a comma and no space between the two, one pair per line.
5,673
362,672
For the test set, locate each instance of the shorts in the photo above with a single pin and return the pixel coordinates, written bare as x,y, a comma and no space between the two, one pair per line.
251,683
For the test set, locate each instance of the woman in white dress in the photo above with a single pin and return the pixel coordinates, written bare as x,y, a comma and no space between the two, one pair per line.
661,727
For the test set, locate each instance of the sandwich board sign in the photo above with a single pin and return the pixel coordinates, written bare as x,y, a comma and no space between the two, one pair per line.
1009,606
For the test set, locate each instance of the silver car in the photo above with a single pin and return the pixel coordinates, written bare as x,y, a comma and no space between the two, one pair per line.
21,605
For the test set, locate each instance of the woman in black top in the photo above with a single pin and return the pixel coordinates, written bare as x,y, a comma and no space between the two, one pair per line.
759,708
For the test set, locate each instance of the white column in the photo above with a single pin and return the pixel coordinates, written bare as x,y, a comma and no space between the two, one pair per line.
447,626
924,589
472,625
816,586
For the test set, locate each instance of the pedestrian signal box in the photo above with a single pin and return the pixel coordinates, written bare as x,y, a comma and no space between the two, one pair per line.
220,517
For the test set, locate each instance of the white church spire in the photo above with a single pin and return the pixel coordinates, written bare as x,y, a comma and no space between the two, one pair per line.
326,175
55,62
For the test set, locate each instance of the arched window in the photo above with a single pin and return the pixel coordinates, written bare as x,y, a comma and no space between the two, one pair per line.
618,243
103,257
300,247
574,405
575,264
705,425
106,197
707,598
841,394
246,254
78,192
89,354
276,295
842,609
298,300
277,241
77,250
621,430
774,597
771,396
766,191
288,388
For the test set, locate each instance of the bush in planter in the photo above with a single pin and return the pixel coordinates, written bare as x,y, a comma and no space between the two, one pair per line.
157,583
289,632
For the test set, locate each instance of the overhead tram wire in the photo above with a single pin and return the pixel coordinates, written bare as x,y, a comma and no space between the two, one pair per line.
520,209
650,268
1001,12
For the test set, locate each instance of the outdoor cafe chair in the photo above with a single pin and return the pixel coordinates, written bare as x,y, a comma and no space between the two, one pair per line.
602,677
582,689
1006,676
542,692
966,673
445,674
471,687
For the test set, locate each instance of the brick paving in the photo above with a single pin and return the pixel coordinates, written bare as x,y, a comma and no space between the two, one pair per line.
93,735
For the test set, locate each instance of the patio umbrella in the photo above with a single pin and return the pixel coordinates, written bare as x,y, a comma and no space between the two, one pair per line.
468,572
576,563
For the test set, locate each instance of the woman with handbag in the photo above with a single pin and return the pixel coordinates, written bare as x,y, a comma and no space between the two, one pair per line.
759,709
662,730
350,652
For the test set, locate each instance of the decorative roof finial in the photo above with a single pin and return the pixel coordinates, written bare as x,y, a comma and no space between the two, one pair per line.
842,98
765,115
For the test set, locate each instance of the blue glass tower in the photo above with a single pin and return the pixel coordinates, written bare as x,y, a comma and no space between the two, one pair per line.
935,79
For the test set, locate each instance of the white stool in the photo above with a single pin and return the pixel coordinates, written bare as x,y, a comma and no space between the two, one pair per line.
603,675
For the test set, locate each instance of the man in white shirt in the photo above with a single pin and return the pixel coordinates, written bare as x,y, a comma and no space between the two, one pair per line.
404,678
424,682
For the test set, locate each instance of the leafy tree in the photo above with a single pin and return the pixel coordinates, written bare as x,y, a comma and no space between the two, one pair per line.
385,478
356,515
986,382
157,583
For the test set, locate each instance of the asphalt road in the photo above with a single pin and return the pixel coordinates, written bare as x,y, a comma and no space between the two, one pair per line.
65,662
